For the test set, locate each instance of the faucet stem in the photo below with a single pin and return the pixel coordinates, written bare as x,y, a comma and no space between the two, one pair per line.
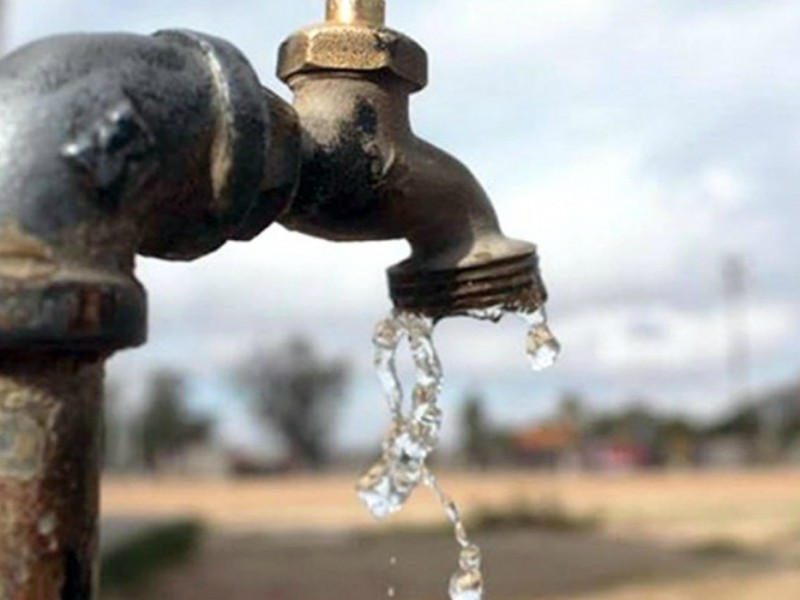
350,12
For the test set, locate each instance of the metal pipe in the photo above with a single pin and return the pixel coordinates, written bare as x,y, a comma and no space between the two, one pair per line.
366,12
110,145
50,422
3,25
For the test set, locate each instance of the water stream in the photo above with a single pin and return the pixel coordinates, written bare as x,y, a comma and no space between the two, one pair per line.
414,432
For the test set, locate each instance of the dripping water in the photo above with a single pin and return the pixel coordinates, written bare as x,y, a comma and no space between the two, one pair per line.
541,346
414,434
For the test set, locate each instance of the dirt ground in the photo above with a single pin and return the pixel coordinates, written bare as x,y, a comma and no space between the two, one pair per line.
679,536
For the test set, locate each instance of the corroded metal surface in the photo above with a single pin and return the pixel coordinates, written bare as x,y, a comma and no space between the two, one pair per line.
513,284
87,314
110,145
49,462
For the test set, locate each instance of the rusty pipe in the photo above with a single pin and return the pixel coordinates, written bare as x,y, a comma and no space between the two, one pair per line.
365,175
50,423
110,145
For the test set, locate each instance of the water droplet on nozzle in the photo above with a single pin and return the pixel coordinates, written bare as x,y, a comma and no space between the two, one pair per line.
541,346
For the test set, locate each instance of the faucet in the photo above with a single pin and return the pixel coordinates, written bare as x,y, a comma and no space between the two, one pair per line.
365,175
115,145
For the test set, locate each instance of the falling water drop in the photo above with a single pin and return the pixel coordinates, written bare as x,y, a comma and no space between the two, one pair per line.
541,345
467,582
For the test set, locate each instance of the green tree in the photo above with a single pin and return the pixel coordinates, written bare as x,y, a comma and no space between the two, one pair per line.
572,411
299,394
167,428
572,415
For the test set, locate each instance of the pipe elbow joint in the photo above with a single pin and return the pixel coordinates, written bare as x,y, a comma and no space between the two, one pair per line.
115,145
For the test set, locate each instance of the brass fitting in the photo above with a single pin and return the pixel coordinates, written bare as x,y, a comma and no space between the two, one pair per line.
353,38
368,12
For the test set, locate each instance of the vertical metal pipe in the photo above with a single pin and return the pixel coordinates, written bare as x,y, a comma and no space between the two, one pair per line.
50,425
366,12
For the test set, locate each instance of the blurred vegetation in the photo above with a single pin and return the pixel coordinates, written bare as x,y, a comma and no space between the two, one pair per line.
299,394
133,563
296,394
723,548
167,428
477,441
547,514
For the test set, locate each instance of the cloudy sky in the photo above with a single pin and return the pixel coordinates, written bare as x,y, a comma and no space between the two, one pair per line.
638,142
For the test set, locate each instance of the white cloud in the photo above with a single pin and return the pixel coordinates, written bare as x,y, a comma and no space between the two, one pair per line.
665,339
724,188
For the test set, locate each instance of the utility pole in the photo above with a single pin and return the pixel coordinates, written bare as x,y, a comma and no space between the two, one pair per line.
738,359
2,27
734,288
739,356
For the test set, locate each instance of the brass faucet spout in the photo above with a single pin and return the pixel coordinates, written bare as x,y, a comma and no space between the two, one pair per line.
357,12
365,175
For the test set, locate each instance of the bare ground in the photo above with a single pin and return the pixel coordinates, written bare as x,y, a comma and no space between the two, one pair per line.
302,539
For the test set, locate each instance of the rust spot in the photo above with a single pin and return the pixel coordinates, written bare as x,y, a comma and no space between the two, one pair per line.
91,311
22,442
15,243
23,256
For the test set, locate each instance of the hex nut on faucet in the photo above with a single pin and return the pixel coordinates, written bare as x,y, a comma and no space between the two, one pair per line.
341,47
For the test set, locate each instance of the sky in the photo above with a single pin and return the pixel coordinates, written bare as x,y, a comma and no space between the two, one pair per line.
637,142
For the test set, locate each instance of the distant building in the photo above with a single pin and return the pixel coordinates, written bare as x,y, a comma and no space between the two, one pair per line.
550,445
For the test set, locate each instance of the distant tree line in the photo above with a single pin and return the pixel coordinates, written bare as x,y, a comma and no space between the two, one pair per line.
636,434
293,392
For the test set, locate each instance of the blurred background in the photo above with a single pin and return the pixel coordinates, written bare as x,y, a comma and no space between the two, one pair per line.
650,148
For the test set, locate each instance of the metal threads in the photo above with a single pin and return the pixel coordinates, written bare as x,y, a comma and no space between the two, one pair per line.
357,12
513,283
